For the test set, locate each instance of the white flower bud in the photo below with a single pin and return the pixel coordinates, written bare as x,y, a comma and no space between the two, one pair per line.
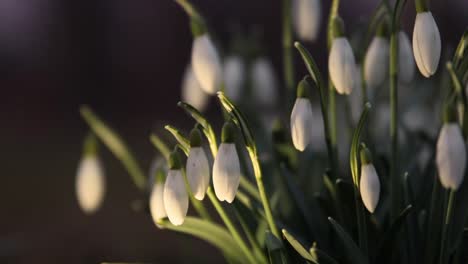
426,43
369,186
234,77
376,62
175,197
451,156
156,203
307,18
198,172
341,65
226,172
301,123
206,64
264,82
405,59
90,184
192,93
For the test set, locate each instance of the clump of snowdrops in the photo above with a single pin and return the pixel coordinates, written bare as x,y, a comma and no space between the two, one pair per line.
351,165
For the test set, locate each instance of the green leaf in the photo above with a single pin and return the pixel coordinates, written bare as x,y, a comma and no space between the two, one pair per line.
354,253
183,141
211,233
275,248
298,246
116,145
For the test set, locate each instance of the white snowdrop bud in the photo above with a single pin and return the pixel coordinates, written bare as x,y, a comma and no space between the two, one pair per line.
90,185
192,93
206,64
156,203
341,62
405,59
226,167
426,43
264,82
175,193
307,15
197,168
301,118
376,62
369,183
451,152
234,77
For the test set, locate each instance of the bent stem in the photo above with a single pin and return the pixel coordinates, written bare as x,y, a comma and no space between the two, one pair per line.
444,256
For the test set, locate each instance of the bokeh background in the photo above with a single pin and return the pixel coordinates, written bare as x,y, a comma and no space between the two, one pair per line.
125,59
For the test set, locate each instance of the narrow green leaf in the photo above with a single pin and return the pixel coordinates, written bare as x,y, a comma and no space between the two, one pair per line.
211,233
275,248
183,141
461,49
354,253
298,246
116,145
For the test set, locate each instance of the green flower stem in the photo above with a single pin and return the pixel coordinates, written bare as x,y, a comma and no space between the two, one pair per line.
394,174
421,5
444,248
288,64
462,97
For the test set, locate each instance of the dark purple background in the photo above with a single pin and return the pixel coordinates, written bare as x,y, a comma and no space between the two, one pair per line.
125,59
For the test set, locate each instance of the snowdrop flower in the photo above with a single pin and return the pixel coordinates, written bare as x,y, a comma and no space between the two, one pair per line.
90,182
264,82
175,193
405,59
341,62
234,77
426,43
197,168
156,203
376,60
307,17
226,168
369,184
192,93
451,152
206,64
301,117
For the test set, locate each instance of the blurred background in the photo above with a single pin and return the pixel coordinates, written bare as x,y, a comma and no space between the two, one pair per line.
126,60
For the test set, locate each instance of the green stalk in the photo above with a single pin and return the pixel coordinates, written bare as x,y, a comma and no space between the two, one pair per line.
444,256
462,97
288,65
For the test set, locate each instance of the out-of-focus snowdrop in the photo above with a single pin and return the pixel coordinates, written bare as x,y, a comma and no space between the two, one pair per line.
226,167
192,93
197,167
90,185
317,141
156,202
380,128
426,41
234,77
175,193
307,16
341,62
405,59
417,118
451,152
369,184
301,117
264,82
376,59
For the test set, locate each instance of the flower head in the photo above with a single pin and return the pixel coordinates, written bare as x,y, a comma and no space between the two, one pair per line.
405,58
226,167
192,93
426,43
264,82
206,64
156,203
376,61
307,16
175,193
369,184
197,168
301,118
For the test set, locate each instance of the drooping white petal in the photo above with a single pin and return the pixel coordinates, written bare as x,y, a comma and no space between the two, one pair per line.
156,203
307,15
226,172
90,184
192,93
369,187
175,197
451,156
376,62
426,43
341,65
405,58
198,172
234,77
301,123
264,82
206,64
